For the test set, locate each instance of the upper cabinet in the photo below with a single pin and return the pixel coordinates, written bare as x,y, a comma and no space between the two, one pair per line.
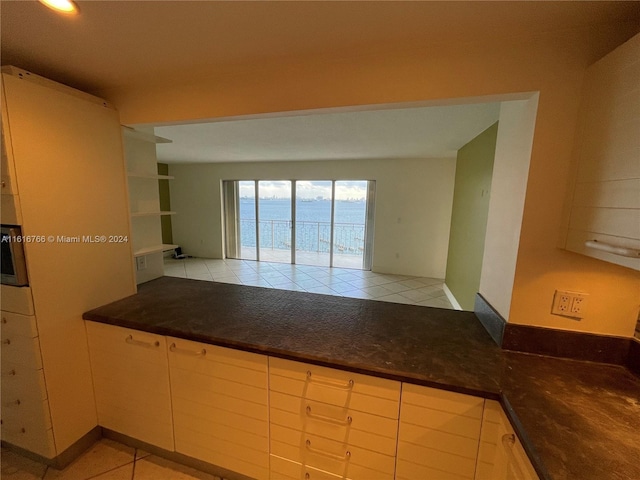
605,209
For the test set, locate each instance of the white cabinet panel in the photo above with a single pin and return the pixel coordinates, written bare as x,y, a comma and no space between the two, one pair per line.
439,434
501,456
17,299
336,387
220,406
17,324
337,422
606,197
131,383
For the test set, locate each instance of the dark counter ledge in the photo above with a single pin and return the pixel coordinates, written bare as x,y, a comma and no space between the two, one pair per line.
577,420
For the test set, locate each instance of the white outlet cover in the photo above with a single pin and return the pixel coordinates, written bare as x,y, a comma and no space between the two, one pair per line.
565,305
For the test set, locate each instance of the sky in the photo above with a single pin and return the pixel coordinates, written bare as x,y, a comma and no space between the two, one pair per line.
306,189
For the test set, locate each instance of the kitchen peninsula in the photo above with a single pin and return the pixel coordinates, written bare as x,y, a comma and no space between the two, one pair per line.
575,419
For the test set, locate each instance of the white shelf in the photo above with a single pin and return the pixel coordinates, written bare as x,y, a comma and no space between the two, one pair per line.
154,249
147,137
151,214
150,175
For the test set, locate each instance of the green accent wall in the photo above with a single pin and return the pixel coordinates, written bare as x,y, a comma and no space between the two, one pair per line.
165,204
474,169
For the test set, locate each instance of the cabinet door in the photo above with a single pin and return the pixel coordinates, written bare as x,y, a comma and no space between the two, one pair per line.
220,406
605,209
328,423
439,434
501,456
131,382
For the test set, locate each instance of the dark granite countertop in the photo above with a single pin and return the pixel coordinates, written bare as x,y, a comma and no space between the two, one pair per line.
577,420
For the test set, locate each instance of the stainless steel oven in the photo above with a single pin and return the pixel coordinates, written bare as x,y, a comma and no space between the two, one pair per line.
13,267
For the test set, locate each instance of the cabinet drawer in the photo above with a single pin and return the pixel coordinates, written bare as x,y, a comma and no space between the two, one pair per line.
27,424
20,381
358,428
35,439
223,447
11,212
218,362
335,387
18,324
283,469
26,411
331,456
22,351
16,299
131,383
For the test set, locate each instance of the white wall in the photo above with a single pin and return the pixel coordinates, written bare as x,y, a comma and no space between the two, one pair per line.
508,186
552,63
413,206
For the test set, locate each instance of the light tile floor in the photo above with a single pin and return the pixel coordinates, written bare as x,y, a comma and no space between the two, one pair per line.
340,282
106,460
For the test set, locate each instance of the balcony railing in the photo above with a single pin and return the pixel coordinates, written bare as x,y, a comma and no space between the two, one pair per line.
348,238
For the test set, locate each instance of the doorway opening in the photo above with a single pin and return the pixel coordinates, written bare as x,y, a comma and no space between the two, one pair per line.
327,223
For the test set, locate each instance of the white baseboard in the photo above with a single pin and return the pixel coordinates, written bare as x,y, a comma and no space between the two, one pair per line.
451,297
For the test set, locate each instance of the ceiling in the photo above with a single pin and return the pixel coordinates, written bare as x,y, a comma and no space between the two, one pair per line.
427,132
113,44
116,45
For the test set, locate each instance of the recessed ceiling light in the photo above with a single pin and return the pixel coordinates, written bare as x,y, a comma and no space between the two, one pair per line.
61,6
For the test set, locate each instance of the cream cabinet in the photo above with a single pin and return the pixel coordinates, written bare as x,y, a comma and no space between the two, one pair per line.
605,203
328,423
131,383
501,455
26,420
439,434
220,406
63,178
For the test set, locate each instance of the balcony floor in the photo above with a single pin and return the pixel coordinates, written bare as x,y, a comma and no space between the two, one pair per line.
342,282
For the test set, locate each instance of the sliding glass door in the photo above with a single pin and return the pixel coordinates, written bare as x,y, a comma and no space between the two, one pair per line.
306,222
313,222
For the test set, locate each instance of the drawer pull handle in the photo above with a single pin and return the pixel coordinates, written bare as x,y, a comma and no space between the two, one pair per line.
131,341
508,442
346,456
4,319
6,342
324,418
10,373
184,351
327,383
615,249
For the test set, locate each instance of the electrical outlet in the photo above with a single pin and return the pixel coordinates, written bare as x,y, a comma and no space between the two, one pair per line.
578,305
141,263
569,304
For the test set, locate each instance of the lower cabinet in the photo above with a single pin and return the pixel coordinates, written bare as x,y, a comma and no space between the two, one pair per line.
501,455
439,434
131,382
26,419
269,418
328,423
220,406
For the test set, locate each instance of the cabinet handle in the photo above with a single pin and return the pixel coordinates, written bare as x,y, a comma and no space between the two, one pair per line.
6,342
508,442
184,351
131,341
10,373
346,456
324,418
15,402
607,247
327,383
4,319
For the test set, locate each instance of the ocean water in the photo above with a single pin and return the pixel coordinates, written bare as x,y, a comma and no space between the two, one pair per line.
313,222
